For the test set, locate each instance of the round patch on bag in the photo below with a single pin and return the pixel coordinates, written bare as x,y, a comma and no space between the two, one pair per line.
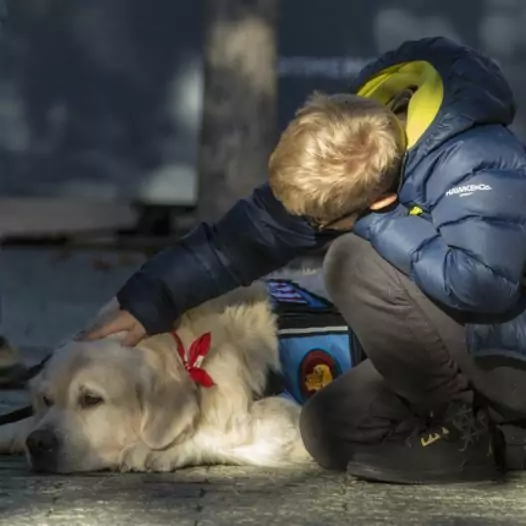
317,370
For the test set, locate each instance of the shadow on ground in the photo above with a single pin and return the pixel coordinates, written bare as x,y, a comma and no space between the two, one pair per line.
240,495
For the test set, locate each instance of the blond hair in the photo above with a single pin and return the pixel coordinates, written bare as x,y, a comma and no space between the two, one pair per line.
339,154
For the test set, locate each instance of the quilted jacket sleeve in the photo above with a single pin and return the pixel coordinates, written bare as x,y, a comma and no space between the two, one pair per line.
471,254
255,237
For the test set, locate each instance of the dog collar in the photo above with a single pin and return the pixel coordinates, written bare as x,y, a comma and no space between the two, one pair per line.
193,357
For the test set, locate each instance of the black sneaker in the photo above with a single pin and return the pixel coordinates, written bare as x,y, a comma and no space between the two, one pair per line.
461,447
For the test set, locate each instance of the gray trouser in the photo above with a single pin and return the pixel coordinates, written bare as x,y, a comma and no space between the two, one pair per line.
417,359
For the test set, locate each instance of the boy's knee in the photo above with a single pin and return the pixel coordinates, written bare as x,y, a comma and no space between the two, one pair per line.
354,271
342,260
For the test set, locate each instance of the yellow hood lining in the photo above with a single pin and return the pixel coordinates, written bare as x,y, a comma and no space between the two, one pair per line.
424,104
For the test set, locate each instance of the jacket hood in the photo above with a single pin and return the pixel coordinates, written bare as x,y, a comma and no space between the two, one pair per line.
456,89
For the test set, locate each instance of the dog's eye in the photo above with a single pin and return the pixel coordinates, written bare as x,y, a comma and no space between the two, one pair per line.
90,400
47,401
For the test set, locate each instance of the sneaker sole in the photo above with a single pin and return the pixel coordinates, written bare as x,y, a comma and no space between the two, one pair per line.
473,474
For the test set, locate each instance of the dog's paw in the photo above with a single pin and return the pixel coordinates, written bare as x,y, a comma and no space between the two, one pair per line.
134,459
140,458
160,462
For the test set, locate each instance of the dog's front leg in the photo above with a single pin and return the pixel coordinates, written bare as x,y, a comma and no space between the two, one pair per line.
13,436
140,458
166,461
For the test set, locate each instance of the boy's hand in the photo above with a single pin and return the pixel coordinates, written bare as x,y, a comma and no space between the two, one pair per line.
120,321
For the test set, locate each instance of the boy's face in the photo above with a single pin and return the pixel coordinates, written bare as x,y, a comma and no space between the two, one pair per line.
344,223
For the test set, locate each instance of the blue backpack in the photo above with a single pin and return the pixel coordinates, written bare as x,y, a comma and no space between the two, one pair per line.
315,343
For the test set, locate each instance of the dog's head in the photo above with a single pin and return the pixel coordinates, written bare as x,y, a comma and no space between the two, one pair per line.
95,400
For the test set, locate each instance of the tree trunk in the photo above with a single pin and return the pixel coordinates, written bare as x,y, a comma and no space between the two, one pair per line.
239,125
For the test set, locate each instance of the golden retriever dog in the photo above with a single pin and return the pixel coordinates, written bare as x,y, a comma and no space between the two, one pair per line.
100,405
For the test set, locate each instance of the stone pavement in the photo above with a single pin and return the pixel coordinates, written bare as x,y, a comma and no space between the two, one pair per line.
48,295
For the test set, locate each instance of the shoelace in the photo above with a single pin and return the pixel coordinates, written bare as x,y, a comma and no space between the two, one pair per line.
471,425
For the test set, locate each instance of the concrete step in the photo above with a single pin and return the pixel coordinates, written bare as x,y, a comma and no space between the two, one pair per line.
33,216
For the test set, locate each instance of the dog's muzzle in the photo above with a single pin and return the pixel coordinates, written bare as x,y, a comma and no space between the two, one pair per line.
43,446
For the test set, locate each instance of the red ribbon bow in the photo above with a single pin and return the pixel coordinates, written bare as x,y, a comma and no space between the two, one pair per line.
193,358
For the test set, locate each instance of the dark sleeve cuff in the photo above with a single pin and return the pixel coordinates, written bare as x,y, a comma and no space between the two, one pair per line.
148,301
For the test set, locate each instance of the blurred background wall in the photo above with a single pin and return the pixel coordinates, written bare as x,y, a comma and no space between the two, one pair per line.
100,99
103,99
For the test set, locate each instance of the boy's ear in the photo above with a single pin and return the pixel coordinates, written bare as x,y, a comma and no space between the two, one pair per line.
383,202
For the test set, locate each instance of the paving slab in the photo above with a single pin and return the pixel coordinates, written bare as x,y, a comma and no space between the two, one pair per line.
248,496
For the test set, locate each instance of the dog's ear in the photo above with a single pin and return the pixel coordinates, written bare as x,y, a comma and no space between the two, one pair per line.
170,407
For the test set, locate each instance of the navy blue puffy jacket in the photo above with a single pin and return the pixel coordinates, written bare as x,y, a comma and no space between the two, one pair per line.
466,247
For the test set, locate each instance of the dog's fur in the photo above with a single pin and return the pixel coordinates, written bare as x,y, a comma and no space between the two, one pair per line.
153,417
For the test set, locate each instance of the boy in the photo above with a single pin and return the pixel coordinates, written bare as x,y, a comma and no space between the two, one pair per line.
419,164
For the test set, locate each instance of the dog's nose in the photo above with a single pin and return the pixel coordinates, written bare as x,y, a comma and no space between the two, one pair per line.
42,445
